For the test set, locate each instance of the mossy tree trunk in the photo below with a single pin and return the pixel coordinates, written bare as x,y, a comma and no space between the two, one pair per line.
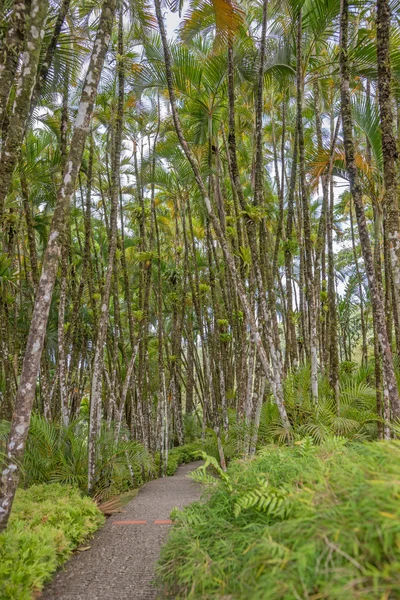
391,395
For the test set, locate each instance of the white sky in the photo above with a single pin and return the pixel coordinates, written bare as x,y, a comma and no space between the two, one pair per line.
172,21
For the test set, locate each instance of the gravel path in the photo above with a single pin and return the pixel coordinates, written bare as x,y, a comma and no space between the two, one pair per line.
120,562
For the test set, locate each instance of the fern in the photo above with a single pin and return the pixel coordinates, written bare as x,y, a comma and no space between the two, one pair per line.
189,516
263,498
200,475
306,446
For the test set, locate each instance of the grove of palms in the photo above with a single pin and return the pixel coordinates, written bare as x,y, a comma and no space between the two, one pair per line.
200,233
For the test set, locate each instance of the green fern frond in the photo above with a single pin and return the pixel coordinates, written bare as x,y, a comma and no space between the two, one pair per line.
262,498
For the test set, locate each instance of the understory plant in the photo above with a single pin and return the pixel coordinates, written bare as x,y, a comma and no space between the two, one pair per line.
58,454
47,522
353,416
301,521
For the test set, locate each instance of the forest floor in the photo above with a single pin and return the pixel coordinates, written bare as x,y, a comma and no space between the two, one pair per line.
119,565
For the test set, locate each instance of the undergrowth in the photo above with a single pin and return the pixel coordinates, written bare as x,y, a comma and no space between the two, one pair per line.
57,454
47,522
354,416
182,455
295,522
53,516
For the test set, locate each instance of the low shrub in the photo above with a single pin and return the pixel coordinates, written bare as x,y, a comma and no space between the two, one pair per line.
179,456
294,522
47,522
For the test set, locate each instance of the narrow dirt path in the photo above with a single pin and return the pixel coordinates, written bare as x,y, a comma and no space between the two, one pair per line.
120,563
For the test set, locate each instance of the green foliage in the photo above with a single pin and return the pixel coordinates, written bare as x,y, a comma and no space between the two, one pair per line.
223,323
262,497
192,428
304,521
245,254
225,337
202,476
57,454
353,417
47,522
180,456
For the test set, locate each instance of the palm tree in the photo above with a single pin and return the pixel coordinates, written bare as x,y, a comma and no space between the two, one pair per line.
26,389
391,394
389,144
98,360
272,377
172,228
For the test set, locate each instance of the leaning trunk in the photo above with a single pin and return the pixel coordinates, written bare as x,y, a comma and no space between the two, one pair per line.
98,361
31,363
230,261
23,94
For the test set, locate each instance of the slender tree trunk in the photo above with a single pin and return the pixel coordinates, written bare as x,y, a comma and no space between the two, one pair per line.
23,94
390,388
248,407
61,338
291,341
333,320
364,358
30,368
258,166
190,370
312,313
325,232
377,352
29,228
389,146
10,52
388,271
257,405
281,195
98,360
125,388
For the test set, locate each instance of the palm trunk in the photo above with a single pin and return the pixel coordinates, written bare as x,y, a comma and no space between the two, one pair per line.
11,50
312,313
333,320
98,360
30,367
24,89
390,390
389,146
257,406
258,167
61,339
281,196
29,228
387,269
364,358
377,353
291,341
